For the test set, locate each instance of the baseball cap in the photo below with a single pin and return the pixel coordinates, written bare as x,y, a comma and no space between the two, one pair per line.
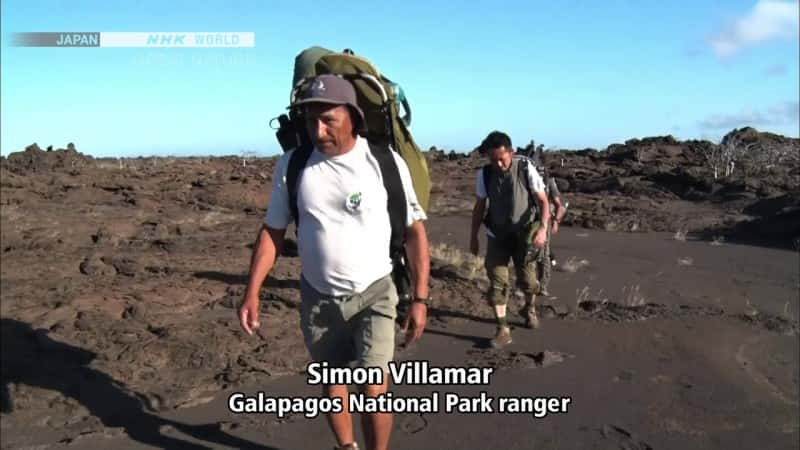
333,90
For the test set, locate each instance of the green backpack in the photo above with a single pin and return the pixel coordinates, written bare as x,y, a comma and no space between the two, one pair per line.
378,97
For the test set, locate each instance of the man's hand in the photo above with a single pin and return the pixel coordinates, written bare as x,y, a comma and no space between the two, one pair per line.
540,238
414,323
248,315
474,245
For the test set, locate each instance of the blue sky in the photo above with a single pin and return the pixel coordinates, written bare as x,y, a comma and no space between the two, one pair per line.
570,74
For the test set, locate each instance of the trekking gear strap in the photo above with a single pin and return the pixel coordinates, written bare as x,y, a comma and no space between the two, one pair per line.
398,210
297,162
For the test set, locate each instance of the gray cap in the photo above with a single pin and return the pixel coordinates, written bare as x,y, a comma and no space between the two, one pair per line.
333,90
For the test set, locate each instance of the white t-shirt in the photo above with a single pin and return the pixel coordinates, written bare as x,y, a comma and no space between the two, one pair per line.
535,182
344,232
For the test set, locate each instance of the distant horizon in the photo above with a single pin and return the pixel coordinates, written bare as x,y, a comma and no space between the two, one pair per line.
568,75
424,149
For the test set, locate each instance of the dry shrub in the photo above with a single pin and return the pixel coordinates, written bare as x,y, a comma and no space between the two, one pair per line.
582,295
749,309
470,265
437,187
572,265
785,313
631,296
585,295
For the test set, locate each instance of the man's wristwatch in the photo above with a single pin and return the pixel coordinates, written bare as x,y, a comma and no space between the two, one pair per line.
427,301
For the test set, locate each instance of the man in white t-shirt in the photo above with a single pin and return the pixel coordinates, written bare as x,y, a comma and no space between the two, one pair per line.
515,192
349,300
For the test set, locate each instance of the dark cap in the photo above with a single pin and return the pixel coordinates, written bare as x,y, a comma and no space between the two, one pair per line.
332,90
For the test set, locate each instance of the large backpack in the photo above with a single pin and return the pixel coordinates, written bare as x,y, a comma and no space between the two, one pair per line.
376,95
386,132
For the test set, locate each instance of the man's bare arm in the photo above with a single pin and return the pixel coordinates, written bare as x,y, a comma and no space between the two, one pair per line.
477,215
540,238
419,257
560,210
477,218
419,261
265,253
544,206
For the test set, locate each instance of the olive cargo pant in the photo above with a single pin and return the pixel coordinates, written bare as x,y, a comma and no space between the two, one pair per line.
498,253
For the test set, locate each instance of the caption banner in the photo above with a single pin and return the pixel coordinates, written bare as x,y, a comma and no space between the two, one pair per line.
405,373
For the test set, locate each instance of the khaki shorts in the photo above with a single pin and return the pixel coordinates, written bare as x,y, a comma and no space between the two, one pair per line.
353,329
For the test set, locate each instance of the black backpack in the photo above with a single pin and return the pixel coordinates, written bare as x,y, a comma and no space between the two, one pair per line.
396,206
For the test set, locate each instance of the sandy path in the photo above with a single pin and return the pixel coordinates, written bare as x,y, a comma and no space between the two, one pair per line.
705,362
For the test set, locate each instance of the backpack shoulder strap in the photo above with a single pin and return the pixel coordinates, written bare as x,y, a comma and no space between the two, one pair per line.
524,167
396,205
486,174
526,164
396,196
297,162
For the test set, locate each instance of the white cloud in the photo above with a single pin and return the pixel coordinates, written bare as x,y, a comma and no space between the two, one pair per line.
727,121
779,114
769,20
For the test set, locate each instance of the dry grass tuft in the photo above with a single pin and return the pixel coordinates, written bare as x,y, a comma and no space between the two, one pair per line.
585,295
469,264
572,265
717,241
447,254
437,187
687,261
749,309
785,313
582,295
631,296
680,235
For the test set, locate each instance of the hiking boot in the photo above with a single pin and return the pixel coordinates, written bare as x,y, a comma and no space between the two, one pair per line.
531,319
501,338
